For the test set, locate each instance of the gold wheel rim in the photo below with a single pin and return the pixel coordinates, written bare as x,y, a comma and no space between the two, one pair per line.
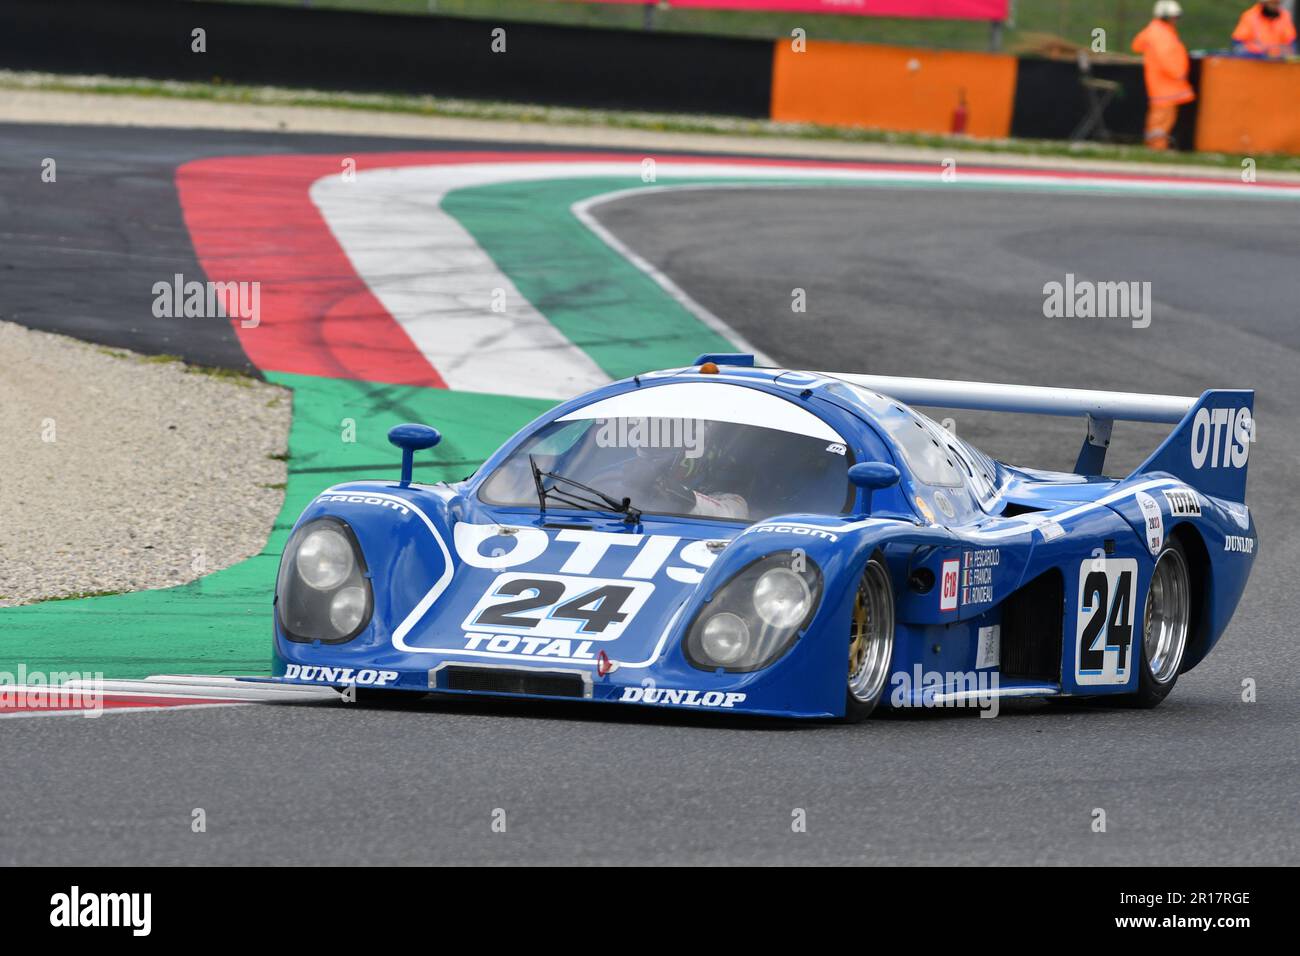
871,635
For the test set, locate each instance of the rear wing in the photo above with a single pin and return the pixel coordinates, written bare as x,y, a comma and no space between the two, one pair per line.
1208,449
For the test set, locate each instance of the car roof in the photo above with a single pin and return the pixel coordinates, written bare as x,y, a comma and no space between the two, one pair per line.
903,429
870,405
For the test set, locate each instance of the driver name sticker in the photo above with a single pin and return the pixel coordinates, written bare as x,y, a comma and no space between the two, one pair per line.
558,606
977,575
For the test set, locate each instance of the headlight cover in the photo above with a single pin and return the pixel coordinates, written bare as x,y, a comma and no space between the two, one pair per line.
324,558
755,617
323,592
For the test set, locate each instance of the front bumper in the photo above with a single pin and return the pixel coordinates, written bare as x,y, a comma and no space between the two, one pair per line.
754,694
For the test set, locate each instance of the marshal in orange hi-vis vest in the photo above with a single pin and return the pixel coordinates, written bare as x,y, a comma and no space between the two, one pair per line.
1264,35
1165,66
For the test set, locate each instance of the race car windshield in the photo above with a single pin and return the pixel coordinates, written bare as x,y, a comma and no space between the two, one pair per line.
682,467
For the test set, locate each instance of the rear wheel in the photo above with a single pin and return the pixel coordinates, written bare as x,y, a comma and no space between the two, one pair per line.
871,642
1166,623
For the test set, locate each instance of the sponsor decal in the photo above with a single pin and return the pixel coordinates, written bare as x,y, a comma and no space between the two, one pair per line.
925,509
1154,520
365,500
557,606
1104,612
1221,438
1050,530
805,529
977,575
1239,544
639,555
943,504
532,646
988,647
948,585
1183,502
835,448
318,674
685,698
569,615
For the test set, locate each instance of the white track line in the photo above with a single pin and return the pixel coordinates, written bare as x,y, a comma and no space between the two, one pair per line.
440,286
436,281
201,687
582,211
89,714
205,691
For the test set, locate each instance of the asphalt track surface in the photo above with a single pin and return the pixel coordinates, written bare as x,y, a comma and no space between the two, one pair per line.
80,256
898,282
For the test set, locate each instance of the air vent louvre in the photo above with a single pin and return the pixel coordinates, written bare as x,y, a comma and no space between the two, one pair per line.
512,680
1031,629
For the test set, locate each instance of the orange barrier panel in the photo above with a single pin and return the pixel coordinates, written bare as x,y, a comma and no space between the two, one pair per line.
895,88
1248,106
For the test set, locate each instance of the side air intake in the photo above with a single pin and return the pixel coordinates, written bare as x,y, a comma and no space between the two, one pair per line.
1031,629
510,680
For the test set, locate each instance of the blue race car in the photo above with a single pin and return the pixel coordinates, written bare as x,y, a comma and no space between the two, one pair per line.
754,540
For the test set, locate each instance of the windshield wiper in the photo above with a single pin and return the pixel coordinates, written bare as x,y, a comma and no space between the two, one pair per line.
600,501
537,483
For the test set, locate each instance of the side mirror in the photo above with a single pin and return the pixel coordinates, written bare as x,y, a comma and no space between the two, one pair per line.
412,438
871,476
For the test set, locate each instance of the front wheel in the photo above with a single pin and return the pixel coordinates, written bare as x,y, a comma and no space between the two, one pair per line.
871,642
1166,622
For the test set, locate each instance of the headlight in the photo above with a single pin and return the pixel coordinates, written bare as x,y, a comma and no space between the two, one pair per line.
323,593
324,558
756,616
782,597
348,608
725,638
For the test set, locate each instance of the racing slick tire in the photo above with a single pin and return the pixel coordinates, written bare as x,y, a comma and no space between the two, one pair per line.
1166,626
871,641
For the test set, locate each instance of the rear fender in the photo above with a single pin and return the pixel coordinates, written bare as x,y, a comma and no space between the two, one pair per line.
1221,539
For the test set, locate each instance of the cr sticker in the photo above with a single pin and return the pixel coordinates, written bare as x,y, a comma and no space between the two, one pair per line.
948,585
